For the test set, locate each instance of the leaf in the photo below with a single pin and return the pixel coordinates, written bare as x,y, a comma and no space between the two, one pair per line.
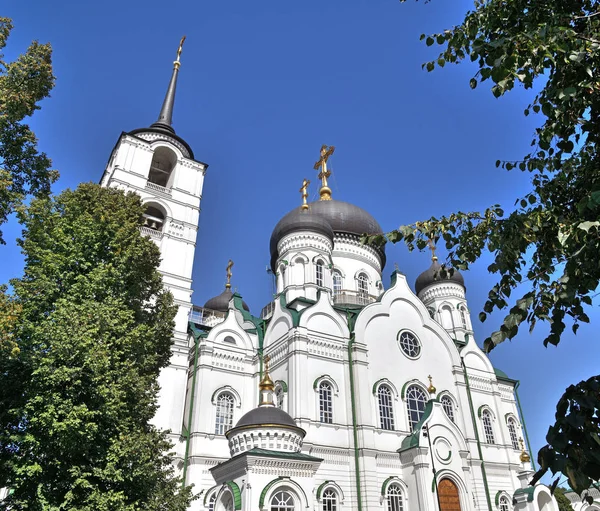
586,226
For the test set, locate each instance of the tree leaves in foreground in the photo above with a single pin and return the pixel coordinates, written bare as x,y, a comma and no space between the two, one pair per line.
23,83
574,440
93,331
546,250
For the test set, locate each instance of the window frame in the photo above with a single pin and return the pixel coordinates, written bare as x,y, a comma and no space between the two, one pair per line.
278,507
320,273
386,422
325,401
338,280
412,423
221,425
488,427
362,284
511,425
445,398
416,346
397,494
328,503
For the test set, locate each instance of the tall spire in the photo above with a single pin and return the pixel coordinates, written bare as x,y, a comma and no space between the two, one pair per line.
165,117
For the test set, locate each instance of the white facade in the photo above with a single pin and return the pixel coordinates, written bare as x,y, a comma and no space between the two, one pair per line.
351,365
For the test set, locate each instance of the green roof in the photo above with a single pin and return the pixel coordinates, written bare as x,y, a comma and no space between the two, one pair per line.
501,375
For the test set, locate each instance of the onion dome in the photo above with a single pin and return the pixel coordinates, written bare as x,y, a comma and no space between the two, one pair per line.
221,302
298,220
326,217
432,276
260,426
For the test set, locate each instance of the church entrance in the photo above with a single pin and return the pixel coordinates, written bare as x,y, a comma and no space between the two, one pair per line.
448,495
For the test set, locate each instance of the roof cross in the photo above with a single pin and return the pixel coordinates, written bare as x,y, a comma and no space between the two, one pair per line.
326,152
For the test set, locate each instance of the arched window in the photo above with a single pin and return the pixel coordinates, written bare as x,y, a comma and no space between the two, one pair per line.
224,417
503,504
211,502
329,500
447,319
463,315
394,498
319,270
363,285
154,217
298,272
163,163
325,402
337,282
416,399
448,406
279,396
230,340
486,419
282,501
386,411
512,430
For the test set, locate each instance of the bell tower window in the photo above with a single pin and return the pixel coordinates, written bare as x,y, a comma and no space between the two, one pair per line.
154,218
161,168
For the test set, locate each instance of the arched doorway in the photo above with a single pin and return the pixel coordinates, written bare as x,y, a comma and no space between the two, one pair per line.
448,495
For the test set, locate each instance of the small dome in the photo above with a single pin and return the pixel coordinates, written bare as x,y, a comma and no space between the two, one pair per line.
325,217
432,275
266,415
221,303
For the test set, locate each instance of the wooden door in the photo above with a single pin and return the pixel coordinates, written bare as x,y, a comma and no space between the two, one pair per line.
448,495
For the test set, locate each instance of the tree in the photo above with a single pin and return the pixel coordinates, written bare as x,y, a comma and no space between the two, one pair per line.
23,83
564,504
93,331
546,249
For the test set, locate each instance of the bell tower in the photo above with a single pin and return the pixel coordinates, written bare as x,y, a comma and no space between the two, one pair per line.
160,166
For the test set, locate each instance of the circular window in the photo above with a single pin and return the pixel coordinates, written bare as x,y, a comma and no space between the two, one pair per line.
410,344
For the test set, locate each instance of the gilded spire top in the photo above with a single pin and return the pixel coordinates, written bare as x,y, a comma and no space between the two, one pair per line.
326,152
177,62
432,247
266,383
524,456
304,192
229,274
431,389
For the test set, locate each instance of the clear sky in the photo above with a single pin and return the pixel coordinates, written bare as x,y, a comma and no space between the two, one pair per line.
262,85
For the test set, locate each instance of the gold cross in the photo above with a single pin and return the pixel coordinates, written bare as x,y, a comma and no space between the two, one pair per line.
432,247
180,48
229,274
326,152
304,192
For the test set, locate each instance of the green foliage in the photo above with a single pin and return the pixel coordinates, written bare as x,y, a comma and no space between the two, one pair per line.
574,439
551,239
23,83
546,249
93,332
564,504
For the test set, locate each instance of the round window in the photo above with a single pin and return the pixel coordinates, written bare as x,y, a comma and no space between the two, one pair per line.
410,344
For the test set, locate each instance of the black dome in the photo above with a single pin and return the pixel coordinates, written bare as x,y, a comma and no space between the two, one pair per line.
325,217
221,303
432,275
298,220
266,415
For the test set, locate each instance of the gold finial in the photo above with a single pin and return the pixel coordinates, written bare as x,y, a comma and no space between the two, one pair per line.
229,274
524,456
266,383
326,152
431,389
432,247
304,192
177,62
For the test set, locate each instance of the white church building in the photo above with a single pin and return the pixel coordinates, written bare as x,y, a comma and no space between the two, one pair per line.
352,390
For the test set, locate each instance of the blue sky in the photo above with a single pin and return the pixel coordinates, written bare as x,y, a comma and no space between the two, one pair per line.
262,86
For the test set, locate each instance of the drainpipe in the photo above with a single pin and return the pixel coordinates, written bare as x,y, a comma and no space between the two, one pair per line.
524,425
191,410
353,403
483,473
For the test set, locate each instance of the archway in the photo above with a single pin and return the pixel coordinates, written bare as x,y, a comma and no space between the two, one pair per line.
448,495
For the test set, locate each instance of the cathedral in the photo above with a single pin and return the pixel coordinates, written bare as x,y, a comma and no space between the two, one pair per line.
352,390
